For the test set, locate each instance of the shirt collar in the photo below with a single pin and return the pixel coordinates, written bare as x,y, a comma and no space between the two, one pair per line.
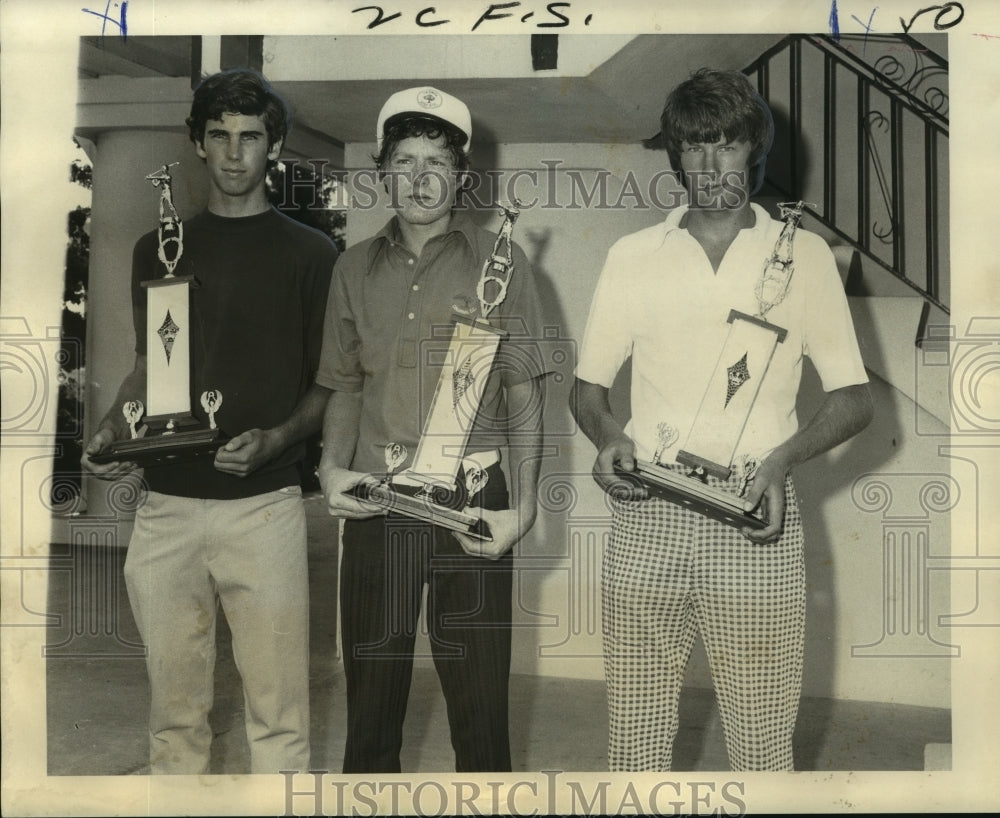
389,234
674,217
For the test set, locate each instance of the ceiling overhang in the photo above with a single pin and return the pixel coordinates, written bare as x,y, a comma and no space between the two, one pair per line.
600,88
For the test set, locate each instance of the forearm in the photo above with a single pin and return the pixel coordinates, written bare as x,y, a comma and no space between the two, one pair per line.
843,414
526,402
592,410
341,422
340,438
306,418
525,467
252,448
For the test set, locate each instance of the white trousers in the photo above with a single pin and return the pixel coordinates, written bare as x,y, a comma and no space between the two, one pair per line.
187,556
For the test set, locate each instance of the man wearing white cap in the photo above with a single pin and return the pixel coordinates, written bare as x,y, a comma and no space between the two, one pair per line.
390,307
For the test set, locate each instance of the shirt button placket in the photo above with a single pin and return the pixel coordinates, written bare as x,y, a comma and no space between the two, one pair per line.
414,300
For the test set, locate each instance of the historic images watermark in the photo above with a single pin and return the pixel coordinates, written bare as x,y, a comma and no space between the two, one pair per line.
553,185
552,792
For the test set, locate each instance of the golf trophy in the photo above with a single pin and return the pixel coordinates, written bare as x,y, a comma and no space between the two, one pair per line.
170,432
728,400
428,489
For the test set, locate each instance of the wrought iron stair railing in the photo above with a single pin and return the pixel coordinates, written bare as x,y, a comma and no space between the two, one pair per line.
862,137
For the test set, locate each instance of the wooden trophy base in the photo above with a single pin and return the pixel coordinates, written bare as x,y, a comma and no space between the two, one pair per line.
160,449
418,503
693,494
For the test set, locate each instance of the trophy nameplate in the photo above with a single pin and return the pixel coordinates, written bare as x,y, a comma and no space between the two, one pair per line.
170,432
428,489
691,493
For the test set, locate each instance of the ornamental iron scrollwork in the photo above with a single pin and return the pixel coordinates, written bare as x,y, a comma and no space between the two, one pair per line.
922,81
871,121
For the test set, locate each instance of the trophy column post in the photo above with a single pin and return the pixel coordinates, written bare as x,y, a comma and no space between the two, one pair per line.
122,210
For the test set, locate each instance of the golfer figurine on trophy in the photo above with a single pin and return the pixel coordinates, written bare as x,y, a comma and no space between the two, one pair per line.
170,431
732,390
429,488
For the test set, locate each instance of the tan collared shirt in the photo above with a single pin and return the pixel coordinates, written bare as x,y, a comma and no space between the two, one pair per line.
389,322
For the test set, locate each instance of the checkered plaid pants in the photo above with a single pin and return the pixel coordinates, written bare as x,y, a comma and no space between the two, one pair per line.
669,574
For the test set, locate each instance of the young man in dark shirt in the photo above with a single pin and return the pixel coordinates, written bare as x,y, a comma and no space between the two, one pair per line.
231,529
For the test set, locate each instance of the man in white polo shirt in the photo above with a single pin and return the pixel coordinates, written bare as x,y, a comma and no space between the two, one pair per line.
664,299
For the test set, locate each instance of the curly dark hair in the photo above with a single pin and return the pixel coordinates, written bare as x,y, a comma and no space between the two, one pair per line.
239,91
713,104
404,126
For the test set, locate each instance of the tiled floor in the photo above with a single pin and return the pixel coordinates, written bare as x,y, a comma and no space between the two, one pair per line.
98,698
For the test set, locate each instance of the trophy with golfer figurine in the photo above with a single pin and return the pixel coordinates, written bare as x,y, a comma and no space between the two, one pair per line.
428,489
727,402
169,431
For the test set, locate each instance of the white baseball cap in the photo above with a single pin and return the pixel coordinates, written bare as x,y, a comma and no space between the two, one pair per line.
426,101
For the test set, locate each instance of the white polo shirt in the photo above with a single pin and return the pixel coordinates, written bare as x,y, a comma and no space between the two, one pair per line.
659,301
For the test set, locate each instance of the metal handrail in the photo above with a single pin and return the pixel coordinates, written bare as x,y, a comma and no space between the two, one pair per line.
899,93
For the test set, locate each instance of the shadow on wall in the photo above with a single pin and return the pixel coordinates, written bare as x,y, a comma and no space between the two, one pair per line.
816,482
